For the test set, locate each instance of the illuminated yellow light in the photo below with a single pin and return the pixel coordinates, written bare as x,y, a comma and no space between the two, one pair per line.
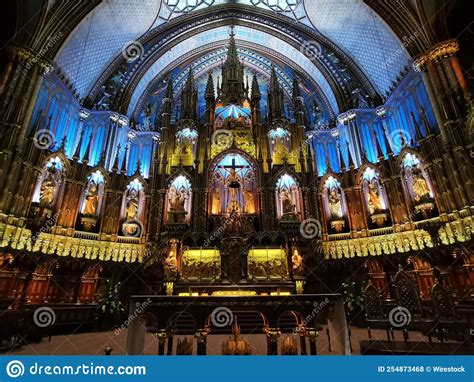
202,253
280,293
234,293
270,253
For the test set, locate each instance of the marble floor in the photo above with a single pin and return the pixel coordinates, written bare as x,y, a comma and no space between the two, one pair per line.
95,343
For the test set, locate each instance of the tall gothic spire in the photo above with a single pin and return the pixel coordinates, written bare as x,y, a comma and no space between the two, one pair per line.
210,92
189,98
255,87
298,102
233,88
276,103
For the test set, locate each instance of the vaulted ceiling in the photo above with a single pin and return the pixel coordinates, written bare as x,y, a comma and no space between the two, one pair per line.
336,46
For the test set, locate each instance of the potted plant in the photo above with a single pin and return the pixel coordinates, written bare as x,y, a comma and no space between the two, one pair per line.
109,305
353,303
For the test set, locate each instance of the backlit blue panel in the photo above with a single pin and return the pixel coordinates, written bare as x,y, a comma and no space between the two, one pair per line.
356,28
100,37
222,34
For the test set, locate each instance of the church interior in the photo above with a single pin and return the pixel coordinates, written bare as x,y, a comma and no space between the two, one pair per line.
238,177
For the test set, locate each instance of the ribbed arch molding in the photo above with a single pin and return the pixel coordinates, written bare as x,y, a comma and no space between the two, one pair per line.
242,33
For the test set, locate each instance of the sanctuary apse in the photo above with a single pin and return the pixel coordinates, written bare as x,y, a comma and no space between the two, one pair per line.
243,177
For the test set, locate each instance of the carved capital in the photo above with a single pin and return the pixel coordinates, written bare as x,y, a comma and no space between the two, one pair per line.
442,50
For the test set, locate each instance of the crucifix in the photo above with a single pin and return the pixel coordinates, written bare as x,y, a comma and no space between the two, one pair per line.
233,179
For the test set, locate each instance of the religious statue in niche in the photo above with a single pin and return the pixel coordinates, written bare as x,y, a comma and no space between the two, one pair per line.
233,182
91,200
335,206
287,202
421,190
374,200
131,209
49,187
297,263
89,209
177,211
178,200
132,226
249,202
177,204
171,262
232,186
216,202
287,199
417,186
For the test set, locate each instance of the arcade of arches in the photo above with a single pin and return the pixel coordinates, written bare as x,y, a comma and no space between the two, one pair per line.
267,168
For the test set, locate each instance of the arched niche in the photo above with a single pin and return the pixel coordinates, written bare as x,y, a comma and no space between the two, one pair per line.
279,142
92,200
233,116
289,205
233,185
375,199
417,186
185,150
49,185
178,200
133,205
334,203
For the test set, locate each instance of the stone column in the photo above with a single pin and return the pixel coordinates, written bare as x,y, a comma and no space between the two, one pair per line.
312,335
135,332
301,331
169,350
201,336
161,338
337,326
273,335
443,79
